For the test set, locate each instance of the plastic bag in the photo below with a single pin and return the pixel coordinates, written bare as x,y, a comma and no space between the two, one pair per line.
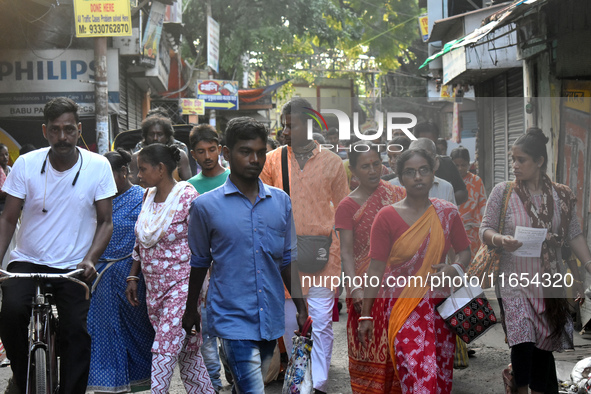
581,370
298,376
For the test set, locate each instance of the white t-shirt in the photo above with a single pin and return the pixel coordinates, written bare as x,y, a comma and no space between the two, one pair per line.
60,237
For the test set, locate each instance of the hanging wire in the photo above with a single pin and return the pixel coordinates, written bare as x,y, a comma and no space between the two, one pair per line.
41,17
387,31
33,50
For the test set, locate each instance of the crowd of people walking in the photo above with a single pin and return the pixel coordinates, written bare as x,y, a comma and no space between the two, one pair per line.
215,272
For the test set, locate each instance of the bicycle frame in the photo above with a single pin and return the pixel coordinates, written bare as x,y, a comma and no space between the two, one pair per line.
42,372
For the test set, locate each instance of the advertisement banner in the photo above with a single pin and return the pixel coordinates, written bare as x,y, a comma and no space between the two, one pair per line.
192,106
28,80
102,18
151,40
218,94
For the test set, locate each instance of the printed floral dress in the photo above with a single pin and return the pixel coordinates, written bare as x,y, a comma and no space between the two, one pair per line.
166,270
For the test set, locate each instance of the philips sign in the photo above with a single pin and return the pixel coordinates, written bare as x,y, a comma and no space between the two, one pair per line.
29,79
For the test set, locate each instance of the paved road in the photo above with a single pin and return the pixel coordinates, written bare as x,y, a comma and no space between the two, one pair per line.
483,376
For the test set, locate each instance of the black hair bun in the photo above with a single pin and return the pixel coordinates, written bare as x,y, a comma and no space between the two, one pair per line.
125,155
175,153
537,133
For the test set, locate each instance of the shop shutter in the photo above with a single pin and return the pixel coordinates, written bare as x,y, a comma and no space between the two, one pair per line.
516,107
499,129
508,119
130,96
134,110
123,101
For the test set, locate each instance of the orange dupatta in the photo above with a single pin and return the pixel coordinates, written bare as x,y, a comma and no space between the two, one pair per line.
402,251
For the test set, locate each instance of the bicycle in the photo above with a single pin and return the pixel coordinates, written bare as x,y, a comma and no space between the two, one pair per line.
42,372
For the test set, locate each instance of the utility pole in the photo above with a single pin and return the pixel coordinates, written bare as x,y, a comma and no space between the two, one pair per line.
101,95
212,115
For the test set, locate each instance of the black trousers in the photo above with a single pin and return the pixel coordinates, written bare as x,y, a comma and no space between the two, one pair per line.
73,337
534,367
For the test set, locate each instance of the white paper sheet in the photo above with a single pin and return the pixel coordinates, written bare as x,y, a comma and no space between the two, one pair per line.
532,239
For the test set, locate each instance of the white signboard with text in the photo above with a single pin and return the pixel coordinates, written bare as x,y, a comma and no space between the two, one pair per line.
28,80
213,44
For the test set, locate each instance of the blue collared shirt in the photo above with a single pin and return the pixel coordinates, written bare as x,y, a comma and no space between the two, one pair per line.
247,247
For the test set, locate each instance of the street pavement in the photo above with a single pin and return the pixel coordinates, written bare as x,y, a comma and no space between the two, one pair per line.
483,375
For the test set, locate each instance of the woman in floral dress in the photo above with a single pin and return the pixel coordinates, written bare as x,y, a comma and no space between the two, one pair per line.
162,251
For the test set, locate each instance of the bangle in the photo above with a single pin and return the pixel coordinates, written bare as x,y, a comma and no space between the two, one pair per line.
493,240
362,318
133,278
356,288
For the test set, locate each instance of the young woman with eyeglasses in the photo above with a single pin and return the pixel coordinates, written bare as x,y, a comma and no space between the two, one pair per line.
408,245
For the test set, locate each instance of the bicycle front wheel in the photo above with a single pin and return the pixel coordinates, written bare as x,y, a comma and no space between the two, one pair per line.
40,375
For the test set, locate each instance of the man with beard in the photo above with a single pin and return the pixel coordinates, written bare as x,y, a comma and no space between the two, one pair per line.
250,258
157,129
66,223
206,149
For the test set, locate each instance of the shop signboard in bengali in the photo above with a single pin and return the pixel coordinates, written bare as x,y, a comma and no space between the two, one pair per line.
218,94
29,79
102,18
192,106
424,27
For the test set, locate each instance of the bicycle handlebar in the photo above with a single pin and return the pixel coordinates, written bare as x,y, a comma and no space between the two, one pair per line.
5,275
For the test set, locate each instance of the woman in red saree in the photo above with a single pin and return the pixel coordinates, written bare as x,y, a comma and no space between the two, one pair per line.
408,245
371,369
472,210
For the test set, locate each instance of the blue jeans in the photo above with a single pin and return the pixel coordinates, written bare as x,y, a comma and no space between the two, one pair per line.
249,362
209,351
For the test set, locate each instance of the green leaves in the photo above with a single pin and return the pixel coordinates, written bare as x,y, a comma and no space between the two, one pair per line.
289,37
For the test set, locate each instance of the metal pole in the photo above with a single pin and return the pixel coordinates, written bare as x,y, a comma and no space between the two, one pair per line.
212,116
101,95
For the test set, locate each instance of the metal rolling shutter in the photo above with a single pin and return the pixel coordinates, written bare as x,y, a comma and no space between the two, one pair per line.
123,121
499,129
134,108
130,96
508,120
516,107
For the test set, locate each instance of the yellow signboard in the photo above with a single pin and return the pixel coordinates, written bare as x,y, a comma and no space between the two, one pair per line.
578,95
424,26
193,106
102,18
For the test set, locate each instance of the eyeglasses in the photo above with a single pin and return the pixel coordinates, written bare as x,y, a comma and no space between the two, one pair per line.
412,172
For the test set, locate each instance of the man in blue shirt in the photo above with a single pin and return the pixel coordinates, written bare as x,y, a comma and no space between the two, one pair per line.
250,258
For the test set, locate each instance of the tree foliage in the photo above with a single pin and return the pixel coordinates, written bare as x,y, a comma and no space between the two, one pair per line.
268,30
294,37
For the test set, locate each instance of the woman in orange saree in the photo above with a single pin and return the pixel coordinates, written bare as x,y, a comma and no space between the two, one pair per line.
472,210
408,244
371,369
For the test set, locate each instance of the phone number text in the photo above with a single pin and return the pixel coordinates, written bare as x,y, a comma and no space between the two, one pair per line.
109,28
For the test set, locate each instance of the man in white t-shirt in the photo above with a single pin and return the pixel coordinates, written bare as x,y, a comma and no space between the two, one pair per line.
66,198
